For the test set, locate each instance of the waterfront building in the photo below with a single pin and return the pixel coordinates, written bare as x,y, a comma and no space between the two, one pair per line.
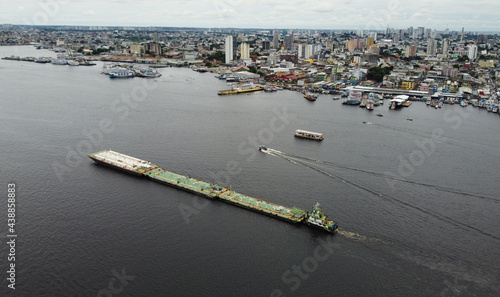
228,49
245,51
135,49
153,48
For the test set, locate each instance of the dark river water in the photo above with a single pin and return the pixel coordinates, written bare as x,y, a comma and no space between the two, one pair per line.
415,192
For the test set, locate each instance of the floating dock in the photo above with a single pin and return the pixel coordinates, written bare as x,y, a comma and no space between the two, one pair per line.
212,191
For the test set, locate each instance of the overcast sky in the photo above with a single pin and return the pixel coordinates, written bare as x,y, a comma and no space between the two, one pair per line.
478,15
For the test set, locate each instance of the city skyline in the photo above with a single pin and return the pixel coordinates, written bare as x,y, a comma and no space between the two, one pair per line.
478,16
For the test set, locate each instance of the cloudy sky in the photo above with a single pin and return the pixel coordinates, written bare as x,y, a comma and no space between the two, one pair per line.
478,15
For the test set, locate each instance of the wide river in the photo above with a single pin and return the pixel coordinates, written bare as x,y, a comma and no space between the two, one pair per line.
415,191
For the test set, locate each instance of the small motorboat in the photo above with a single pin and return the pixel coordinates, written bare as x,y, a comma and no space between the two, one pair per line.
380,115
262,148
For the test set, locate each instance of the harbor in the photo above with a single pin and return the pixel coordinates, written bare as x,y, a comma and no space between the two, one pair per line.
212,191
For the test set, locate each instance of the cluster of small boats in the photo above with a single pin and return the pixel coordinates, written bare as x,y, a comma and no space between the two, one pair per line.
125,71
357,98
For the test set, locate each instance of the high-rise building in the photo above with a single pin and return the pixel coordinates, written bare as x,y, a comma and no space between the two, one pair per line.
350,45
369,42
245,51
228,49
431,47
462,35
301,50
288,42
410,51
276,39
266,45
445,46
472,52
309,52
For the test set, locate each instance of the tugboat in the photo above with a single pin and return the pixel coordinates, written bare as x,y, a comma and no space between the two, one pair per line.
317,219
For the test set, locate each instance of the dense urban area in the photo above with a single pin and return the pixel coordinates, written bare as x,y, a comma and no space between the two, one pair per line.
459,64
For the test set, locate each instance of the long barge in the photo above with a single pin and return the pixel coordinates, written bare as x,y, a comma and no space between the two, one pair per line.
144,168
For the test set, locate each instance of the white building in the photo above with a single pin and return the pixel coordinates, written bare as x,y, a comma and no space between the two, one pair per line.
228,49
245,51
472,52
309,51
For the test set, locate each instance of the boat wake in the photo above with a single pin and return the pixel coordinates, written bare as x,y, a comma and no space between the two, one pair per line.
358,237
318,165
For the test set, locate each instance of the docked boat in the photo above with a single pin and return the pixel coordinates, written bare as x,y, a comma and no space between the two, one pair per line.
309,135
73,63
310,96
369,104
121,73
42,60
241,88
318,219
148,73
59,62
87,63
354,98
399,101
463,104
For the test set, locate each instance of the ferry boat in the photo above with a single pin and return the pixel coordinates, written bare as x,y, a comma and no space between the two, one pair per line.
121,73
317,219
354,98
309,135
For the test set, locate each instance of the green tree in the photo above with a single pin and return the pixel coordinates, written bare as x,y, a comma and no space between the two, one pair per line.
377,73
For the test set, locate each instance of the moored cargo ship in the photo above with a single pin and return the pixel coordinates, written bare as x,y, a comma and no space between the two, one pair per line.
145,168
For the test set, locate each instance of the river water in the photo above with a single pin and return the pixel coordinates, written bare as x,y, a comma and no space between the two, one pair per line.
415,192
